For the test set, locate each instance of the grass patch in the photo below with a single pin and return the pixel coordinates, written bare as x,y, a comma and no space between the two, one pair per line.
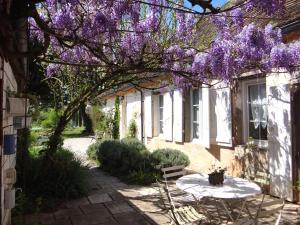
74,132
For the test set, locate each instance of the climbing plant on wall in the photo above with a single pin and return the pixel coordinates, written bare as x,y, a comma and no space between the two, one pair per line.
116,122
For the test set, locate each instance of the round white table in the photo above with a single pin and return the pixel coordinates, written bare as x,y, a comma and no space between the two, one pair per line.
233,187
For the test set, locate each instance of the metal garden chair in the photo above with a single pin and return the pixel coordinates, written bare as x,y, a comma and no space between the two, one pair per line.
179,215
265,210
169,173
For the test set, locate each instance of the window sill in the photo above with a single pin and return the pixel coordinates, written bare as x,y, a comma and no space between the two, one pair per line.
262,145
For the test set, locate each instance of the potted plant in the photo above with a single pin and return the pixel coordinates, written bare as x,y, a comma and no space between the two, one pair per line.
216,176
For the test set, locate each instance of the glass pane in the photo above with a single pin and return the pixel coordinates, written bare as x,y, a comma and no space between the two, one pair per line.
161,127
161,101
195,130
196,113
161,114
263,132
257,132
254,112
196,97
257,111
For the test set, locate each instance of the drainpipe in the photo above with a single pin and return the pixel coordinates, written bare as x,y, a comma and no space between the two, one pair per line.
142,116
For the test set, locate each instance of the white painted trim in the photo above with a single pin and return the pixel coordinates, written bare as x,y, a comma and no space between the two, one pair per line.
200,139
245,84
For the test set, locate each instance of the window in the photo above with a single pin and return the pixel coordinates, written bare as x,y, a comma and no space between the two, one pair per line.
196,113
161,114
257,112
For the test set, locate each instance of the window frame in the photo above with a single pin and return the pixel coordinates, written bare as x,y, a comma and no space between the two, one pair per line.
198,140
246,116
159,116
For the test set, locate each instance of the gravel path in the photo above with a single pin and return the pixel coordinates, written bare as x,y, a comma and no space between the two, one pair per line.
79,146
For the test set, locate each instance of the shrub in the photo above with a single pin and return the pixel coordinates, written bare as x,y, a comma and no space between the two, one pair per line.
168,157
132,129
141,177
92,151
123,157
134,143
49,118
64,179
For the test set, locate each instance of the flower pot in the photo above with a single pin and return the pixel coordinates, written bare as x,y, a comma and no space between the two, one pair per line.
17,106
9,146
216,178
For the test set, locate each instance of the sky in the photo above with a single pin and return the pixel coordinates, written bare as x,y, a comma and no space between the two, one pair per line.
216,3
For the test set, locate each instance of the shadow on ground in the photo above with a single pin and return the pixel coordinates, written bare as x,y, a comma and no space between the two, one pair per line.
111,202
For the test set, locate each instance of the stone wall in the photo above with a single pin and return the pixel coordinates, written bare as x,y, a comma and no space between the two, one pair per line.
7,161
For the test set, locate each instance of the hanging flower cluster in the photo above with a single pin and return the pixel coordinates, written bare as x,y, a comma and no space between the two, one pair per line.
152,36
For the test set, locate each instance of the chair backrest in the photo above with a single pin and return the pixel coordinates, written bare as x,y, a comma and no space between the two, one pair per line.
263,179
172,172
165,196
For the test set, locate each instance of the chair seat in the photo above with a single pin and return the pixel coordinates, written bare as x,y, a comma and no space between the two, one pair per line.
186,215
183,198
244,221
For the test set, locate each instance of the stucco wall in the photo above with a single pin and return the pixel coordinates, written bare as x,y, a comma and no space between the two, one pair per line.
133,112
279,134
201,158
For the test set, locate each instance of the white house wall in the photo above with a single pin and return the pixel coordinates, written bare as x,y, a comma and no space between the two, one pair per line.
109,105
133,111
279,134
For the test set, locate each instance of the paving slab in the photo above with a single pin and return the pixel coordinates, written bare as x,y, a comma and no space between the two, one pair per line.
99,198
95,208
132,218
119,207
116,196
66,213
93,219
60,222
77,202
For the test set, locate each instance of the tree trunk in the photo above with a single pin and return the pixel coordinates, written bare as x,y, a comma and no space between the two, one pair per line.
87,122
55,140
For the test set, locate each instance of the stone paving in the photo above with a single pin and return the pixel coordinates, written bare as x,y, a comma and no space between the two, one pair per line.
105,205
111,202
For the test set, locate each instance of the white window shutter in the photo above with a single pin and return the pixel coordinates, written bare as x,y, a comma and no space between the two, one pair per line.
148,114
168,110
178,116
222,111
206,113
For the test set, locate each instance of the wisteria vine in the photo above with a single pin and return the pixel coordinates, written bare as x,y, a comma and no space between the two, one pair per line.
159,36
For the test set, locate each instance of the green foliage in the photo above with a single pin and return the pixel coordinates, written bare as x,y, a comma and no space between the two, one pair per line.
134,143
141,177
132,129
168,157
48,118
73,132
92,151
64,179
116,121
128,159
102,122
45,182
